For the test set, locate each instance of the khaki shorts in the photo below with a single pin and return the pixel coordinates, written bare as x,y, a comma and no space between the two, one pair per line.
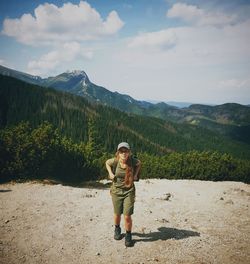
123,200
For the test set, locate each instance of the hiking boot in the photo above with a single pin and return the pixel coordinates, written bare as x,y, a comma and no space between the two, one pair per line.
128,239
117,235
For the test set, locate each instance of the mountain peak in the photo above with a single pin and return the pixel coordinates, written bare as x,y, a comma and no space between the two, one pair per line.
79,76
76,73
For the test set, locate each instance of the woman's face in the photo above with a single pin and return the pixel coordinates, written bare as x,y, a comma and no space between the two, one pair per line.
123,154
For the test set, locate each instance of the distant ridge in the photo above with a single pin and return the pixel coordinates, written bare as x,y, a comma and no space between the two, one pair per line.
172,103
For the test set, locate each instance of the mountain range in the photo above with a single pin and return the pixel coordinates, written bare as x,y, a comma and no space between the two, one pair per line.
231,120
100,127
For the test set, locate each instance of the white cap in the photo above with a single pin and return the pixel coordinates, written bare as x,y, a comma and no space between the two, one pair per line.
123,145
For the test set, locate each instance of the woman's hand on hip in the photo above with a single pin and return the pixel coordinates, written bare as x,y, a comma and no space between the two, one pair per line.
111,176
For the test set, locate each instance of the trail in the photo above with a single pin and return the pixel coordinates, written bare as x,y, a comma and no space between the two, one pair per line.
175,221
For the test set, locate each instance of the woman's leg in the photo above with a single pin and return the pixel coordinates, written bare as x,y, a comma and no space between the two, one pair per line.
117,219
128,211
128,227
117,233
128,222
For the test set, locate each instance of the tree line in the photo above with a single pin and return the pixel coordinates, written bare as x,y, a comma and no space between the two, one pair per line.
42,152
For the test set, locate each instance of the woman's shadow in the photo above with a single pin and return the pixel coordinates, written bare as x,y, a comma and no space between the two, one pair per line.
165,233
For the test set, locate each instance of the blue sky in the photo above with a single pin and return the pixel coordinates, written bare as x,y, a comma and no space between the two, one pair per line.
188,51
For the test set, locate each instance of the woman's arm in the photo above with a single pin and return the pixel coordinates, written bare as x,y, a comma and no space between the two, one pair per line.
109,169
137,169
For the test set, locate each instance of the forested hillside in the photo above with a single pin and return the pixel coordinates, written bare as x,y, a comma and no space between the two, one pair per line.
92,131
231,120
79,120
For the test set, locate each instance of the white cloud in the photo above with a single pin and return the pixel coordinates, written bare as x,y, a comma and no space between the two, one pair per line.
235,84
112,24
205,45
191,69
184,11
197,16
160,40
70,22
66,53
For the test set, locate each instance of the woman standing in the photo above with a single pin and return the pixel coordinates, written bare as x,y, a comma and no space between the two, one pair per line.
123,170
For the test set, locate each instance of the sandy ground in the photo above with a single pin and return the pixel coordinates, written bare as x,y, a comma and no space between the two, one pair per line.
178,221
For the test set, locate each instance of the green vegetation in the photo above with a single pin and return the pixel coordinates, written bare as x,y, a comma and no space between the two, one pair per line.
42,153
47,134
206,165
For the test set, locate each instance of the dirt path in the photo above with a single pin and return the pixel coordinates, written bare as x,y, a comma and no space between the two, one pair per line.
178,221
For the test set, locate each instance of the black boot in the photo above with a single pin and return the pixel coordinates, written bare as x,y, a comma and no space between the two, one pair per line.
128,239
117,234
